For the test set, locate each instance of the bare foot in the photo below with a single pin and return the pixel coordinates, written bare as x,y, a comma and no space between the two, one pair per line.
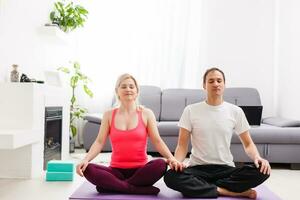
251,194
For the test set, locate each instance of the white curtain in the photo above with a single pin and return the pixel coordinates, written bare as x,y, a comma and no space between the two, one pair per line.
157,41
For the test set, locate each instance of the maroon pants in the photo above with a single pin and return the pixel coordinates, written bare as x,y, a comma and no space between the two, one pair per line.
132,180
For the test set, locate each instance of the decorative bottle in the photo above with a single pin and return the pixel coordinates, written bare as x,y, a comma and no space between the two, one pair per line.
14,74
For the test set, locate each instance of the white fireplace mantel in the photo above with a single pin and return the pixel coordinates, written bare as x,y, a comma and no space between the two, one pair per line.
13,139
22,124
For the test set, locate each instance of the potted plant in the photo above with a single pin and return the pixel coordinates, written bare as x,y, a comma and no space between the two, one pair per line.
76,111
68,16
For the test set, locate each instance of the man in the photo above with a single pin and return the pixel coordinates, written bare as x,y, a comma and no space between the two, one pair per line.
210,125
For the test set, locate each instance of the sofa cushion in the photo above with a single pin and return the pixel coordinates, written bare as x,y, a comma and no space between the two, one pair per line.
94,117
195,96
267,134
242,96
168,128
281,122
172,104
150,96
175,100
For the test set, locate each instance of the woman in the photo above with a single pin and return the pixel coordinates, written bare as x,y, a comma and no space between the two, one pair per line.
128,127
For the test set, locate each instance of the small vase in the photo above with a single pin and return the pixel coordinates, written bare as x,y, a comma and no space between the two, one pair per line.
14,74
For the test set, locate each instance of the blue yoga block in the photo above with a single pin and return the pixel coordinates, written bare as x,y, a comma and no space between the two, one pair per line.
60,166
59,176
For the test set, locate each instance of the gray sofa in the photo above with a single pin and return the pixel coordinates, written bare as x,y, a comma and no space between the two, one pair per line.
277,139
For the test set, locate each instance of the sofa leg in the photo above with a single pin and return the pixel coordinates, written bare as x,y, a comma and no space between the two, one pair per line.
295,166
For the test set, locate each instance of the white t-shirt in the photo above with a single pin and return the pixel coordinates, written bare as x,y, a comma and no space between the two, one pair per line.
211,129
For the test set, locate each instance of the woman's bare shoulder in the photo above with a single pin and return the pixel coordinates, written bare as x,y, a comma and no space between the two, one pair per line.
147,112
108,113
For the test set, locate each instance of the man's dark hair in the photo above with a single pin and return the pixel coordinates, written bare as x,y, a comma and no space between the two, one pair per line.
210,70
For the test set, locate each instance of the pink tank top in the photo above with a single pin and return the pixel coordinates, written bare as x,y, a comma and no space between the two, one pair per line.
128,147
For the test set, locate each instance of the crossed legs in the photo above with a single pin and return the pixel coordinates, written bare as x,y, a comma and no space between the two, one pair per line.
133,181
211,181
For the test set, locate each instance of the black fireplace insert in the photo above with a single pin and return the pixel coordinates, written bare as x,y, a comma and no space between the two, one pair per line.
53,134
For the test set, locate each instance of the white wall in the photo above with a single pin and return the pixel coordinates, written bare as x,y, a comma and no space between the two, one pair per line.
289,59
239,38
25,41
255,42
235,35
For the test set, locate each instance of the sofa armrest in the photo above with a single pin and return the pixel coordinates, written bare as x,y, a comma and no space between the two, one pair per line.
94,117
281,122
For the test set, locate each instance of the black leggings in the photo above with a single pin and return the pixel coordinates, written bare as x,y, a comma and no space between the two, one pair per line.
201,181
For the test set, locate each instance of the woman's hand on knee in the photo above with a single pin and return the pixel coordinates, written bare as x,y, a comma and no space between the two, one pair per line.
80,168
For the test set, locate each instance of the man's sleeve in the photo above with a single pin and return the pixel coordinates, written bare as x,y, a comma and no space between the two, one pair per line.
242,124
185,120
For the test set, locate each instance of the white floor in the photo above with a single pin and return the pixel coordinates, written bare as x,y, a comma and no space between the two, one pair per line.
283,182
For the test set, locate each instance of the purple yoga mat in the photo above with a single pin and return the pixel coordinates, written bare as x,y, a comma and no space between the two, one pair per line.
88,191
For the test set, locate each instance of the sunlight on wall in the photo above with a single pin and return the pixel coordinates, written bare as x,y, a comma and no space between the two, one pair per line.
156,41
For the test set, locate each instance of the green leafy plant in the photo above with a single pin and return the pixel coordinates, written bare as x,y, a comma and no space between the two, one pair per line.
68,16
76,78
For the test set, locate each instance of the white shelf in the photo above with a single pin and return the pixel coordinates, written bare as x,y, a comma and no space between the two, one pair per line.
54,32
13,139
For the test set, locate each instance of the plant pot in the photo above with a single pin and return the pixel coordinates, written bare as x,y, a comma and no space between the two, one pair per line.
72,145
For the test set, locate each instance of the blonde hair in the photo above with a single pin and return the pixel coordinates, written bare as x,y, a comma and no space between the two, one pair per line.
118,83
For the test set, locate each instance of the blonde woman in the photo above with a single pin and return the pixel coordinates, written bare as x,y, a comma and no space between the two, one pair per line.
128,126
